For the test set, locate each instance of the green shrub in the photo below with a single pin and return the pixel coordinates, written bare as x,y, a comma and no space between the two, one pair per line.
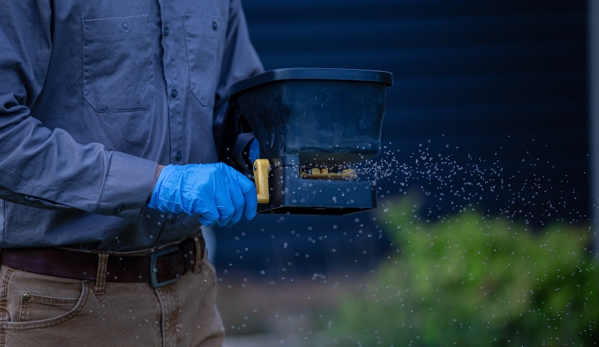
475,281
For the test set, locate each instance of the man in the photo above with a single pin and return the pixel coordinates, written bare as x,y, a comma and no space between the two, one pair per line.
106,112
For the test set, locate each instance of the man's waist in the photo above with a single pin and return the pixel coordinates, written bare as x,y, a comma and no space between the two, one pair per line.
157,266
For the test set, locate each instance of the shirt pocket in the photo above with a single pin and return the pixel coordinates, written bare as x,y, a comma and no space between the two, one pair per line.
118,73
204,36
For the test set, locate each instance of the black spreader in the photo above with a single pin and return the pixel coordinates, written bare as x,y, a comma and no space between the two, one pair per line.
313,118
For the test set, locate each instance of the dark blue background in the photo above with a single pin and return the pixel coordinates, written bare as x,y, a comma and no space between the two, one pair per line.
498,88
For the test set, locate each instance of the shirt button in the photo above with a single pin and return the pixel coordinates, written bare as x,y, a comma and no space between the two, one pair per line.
166,31
174,93
119,208
178,156
214,24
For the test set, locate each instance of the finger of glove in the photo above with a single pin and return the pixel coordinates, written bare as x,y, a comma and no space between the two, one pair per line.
210,216
248,189
206,191
224,201
238,203
237,197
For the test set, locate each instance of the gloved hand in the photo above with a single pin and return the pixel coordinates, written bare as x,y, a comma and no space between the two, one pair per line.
216,192
254,151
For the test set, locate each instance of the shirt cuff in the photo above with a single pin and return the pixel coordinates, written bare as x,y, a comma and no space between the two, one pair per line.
127,186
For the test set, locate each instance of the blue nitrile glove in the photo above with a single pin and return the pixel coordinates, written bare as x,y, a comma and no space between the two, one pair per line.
216,192
254,151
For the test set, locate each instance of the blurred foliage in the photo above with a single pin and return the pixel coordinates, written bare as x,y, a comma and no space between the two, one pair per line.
470,280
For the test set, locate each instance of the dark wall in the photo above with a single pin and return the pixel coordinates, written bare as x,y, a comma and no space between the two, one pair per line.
488,110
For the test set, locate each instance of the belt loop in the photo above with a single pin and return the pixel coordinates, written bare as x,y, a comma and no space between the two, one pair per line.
100,287
200,245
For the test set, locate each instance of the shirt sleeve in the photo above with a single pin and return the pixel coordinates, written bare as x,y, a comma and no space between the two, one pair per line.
44,167
240,61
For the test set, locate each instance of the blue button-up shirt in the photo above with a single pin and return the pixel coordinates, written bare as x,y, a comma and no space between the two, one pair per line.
95,94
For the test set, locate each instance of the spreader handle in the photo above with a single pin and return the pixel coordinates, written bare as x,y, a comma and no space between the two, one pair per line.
261,170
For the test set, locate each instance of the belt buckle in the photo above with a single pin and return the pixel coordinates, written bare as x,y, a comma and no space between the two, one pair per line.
154,270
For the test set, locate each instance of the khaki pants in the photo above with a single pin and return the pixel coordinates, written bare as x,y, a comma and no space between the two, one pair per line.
39,310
